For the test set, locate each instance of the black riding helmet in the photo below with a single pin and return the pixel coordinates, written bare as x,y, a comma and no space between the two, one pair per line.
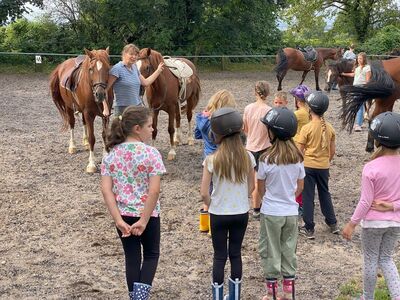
282,122
224,122
318,102
385,128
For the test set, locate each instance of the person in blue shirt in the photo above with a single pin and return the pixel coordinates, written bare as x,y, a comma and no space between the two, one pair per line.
125,79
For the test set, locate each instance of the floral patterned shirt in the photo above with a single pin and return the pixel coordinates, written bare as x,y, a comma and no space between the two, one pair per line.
131,165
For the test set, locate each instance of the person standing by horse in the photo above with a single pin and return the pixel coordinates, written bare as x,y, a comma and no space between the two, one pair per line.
317,142
380,219
222,98
231,169
257,136
130,183
361,74
280,179
303,117
125,79
349,54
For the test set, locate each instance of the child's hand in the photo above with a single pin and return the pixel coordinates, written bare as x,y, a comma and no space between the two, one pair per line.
124,228
138,227
381,205
348,230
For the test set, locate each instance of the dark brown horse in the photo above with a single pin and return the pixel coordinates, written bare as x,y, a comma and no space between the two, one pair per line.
290,58
384,87
85,95
163,94
335,69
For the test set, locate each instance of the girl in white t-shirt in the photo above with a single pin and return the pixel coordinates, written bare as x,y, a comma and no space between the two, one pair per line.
231,169
280,180
361,74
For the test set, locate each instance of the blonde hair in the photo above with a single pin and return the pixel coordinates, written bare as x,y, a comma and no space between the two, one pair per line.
231,161
282,153
128,48
281,95
262,89
222,98
382,150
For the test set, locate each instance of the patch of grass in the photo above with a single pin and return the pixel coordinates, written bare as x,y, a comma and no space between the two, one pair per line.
353,290
26,68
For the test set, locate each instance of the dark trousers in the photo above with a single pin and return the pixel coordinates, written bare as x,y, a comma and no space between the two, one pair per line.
224,228
319,177
135,269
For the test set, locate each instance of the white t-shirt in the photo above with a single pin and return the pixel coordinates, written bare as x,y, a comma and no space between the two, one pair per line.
228,198
360,75
280,187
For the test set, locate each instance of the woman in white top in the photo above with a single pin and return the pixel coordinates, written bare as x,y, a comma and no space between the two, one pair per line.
361,74
231,169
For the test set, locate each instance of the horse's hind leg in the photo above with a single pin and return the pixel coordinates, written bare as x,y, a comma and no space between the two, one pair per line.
155,121
178,131
280,79
71,121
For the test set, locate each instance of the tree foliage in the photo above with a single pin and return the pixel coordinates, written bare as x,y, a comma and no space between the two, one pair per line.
12,9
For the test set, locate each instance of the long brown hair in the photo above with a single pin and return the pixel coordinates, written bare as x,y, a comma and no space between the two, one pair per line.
282,153
122,126
231,161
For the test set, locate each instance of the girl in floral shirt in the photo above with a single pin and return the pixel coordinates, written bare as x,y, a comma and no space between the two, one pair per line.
131,175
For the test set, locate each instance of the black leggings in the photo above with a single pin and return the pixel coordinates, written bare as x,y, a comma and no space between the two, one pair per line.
136,271
223,226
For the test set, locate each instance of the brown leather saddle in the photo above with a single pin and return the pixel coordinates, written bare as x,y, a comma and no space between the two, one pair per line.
70,79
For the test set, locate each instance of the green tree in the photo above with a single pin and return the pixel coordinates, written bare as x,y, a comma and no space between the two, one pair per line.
358,17
10,10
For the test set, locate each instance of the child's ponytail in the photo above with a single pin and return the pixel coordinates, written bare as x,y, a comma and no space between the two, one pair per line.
115,135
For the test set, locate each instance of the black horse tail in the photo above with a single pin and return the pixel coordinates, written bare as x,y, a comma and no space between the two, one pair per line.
57,99
380,86
281,62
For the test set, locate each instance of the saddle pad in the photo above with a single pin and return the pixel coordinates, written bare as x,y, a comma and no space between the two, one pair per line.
309,53
179,68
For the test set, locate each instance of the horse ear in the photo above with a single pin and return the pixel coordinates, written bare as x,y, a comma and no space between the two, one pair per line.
148,51
108,50
88,53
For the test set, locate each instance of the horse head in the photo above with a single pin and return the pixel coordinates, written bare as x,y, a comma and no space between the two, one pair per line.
336,68
97,66
148,61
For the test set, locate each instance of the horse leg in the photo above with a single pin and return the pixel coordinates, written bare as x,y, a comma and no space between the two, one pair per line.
280,79
105,121
178,131
155,121
303,77
71,121
91,167
316,75
171,131
85,141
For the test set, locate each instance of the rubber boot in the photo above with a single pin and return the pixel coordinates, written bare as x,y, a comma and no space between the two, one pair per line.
272,290
234,289
141,291
217,291
288,289
204,225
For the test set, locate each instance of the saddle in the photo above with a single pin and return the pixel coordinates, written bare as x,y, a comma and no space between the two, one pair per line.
182,71
309,53
70,79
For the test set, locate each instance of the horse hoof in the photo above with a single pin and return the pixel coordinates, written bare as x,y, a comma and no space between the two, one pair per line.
171,157
72,150
190,142
86,147
91,169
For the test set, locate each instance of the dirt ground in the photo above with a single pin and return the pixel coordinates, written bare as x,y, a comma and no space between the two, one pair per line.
58,241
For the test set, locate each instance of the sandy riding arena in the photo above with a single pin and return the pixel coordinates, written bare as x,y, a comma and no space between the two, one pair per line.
58,241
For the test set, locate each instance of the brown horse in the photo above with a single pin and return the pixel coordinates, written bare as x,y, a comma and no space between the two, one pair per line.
85,95
163,94
290,58
335,69
384,87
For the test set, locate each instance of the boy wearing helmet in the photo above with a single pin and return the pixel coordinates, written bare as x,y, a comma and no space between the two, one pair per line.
317,143
280,180
231,169
380,219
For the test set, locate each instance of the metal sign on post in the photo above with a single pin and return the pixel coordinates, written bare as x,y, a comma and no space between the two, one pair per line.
38,59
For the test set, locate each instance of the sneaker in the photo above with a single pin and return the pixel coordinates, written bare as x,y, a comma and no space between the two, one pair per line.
357,128
308,233
334,228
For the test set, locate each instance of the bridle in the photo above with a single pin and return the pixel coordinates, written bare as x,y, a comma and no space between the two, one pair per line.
95,85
